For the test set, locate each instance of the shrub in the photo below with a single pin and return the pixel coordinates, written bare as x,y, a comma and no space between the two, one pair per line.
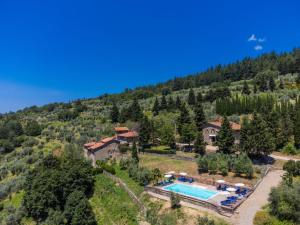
290,149
292,167
124,148
175,201
202,164
205,220
262,218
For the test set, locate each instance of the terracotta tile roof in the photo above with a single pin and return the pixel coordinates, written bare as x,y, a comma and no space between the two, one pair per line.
234,126
120,129
129,134
95,145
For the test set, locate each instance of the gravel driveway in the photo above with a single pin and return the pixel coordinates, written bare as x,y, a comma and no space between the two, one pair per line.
258,199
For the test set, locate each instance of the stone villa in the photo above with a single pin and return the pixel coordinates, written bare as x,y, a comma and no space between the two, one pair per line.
211,129
108,147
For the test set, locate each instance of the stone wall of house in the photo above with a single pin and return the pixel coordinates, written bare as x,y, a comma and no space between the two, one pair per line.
109,150
213,130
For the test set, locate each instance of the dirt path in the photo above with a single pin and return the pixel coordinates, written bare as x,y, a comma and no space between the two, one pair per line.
258,199
285,158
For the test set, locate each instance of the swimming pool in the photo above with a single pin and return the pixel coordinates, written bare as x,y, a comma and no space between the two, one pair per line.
191,191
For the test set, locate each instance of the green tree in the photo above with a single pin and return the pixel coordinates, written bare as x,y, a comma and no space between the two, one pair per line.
188,133
191,97
246,89
199,144
178,102
272,84
281,84
175,201
145,131
297,129
184,118
163,104
254,88
225,139
156,174
256,138
134,153
114,113
171,103
199,98
156,107
200,119
78,210
136,111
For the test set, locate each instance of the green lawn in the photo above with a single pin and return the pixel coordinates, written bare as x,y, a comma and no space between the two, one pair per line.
111,204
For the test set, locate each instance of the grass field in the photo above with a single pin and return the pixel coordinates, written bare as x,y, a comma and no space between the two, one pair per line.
111,204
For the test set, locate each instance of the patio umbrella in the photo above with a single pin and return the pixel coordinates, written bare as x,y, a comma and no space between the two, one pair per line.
168,176
231,189
239,185
183,174
171,172
220,181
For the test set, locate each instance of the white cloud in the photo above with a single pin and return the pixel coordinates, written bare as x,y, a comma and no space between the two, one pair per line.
261,40
252,38
258,47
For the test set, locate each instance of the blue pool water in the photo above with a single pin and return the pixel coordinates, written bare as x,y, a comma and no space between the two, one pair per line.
191,191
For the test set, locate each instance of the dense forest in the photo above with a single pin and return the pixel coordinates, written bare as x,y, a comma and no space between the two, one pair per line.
40,146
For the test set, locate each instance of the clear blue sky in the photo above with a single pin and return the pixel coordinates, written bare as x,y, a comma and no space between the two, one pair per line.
62,50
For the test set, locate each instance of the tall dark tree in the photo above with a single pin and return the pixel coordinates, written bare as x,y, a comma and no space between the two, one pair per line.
225,139
78,210
145,131
256,138
272,84
134,152
136,111
199,144
297,130
254,88
178,102
163,104
191,97
171,103
156,107
281,84
184,118
114,114
246,89
199,97
200,119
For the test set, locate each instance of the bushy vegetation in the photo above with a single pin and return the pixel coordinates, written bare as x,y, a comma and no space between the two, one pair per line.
223,163
57,189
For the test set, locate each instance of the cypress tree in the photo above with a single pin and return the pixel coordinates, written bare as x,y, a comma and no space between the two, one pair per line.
163,104
225,140
272,84
199,116
178,102
134,152
199,97
136,111
184,118
297,130
171,103
246,89
281,84
199,144
156,107
114,114
191,97
254,88
145,131
259,140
